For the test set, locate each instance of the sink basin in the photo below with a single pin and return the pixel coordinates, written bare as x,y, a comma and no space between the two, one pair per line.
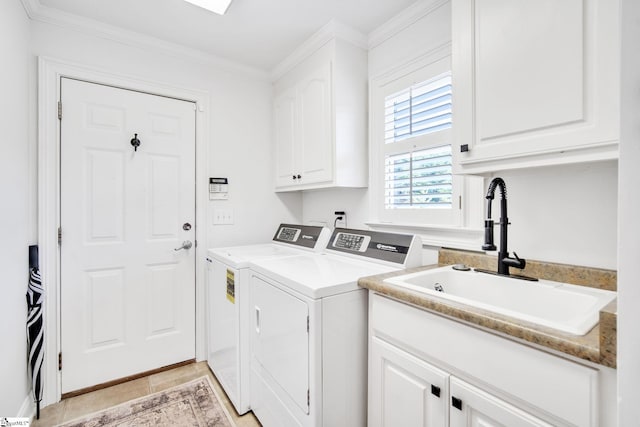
568,308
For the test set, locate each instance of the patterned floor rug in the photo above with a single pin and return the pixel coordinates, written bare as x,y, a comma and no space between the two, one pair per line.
191,404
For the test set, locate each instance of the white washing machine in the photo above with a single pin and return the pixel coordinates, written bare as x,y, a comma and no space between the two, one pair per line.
309,329
228,304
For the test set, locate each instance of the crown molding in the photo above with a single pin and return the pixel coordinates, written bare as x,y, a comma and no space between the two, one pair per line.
37,12
332,29
30,7
404,19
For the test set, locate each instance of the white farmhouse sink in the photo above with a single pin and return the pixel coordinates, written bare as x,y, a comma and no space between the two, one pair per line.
568,308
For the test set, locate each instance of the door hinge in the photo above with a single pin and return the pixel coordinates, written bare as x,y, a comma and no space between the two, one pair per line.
308,398
59,110
460,202
307,324
59,235
60,361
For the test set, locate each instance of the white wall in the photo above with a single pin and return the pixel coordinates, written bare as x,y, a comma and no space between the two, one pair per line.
15,189
240,125
565,214
398,47
629,227
320,205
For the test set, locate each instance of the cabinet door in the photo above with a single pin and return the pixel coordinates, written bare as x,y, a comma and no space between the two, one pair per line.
285,139
471,406
404,390
535,82
315,155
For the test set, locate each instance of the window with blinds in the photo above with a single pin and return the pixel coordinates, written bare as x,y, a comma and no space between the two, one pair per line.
422,176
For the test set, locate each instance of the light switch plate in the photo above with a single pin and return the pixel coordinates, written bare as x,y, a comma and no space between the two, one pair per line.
222,216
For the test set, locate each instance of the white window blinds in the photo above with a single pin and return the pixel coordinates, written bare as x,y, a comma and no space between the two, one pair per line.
418,175
420,109
420,179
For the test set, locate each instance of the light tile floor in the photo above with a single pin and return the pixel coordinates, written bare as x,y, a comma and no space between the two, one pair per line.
78,406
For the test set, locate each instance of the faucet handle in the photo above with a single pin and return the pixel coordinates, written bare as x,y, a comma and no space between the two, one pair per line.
521,263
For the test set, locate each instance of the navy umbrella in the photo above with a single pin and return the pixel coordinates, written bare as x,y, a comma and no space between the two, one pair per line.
35,334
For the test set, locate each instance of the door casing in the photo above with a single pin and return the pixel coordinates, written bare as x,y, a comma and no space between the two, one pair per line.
50,71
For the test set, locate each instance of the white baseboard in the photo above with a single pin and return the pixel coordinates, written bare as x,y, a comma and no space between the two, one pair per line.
28,408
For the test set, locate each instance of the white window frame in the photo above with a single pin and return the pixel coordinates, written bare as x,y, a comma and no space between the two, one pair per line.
458,227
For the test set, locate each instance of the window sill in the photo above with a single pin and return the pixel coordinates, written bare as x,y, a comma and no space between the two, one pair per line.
437,235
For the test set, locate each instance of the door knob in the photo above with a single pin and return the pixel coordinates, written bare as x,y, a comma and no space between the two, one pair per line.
185,245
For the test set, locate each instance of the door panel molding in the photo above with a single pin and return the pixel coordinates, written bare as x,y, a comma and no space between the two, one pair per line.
50,72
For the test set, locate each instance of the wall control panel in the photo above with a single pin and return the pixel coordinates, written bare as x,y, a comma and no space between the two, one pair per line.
218,188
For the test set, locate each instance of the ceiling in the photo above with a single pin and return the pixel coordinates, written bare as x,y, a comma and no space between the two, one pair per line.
255,33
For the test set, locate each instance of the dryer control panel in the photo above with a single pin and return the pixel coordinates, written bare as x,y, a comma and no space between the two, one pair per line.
402,249
351,241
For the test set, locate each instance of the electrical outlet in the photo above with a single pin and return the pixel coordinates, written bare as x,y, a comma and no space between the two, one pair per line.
222,216
340,219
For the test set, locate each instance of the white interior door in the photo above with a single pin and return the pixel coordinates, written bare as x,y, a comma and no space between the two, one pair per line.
127,297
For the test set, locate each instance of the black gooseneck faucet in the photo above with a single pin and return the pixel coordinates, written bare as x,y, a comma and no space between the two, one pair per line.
504,260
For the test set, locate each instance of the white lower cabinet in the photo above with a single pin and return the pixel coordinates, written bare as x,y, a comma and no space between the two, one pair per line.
409,392
404,390
429,370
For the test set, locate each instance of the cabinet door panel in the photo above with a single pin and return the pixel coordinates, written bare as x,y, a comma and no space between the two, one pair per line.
478,408
285,131
400,389
315,158
529,55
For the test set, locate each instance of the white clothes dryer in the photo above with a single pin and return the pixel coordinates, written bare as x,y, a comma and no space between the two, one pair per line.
228,304
309,328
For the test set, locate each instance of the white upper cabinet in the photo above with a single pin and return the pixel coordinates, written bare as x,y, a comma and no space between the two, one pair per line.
535,82
285,130
320,117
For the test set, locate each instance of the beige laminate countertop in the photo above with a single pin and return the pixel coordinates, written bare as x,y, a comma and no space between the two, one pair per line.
599,345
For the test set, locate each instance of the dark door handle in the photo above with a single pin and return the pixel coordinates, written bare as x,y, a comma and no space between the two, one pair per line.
135,142
456,403
435,390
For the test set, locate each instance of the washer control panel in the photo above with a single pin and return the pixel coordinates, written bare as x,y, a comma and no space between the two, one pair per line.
288,234
351,241
306,236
